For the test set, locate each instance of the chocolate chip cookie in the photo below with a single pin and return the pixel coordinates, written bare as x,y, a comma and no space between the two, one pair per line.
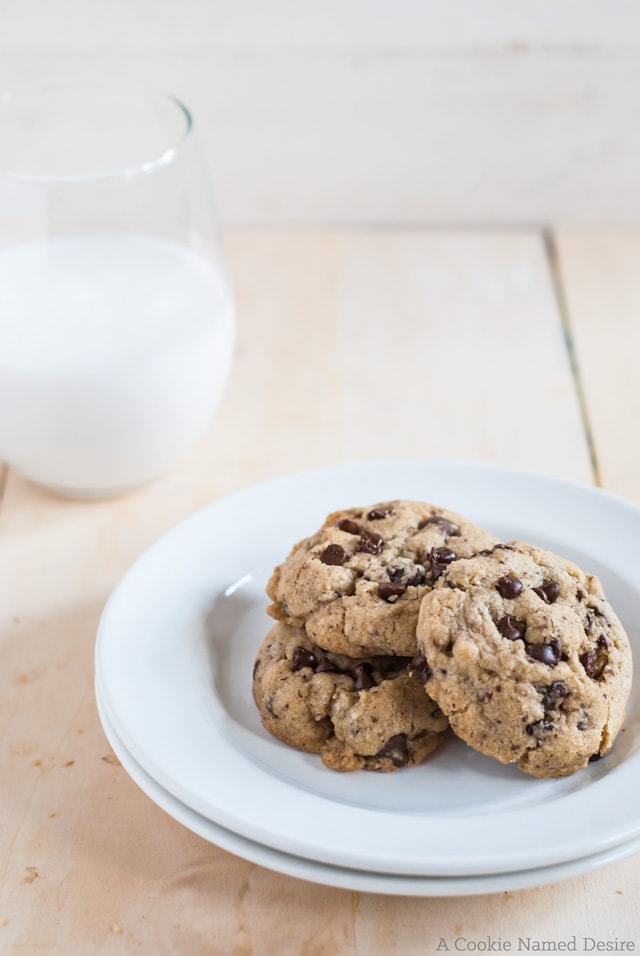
356,584
526,657
356,713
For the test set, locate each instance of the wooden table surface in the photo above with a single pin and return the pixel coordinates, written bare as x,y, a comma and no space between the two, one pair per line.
518,348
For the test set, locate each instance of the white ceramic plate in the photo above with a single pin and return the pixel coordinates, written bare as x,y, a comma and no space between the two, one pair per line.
344,877
178,637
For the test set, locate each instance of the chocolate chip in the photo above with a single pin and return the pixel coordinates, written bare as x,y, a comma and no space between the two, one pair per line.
549,591
594,757
377,513
447,527
509,587
395,574
391,662
392,590
548,654
439,559
588,661
302,658
442,555
539,728
552,694
396,750
511,628
371,542
362,676
334,554
326,666
349,526
418,667
417,578
594,663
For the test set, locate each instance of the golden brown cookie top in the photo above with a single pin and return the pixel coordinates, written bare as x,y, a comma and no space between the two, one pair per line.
356,583
355,712
527,658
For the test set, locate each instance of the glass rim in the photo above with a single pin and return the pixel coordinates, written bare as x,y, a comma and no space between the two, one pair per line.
166,158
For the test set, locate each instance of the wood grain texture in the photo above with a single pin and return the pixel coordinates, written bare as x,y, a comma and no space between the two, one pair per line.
466,112
350,345
451,347
599,272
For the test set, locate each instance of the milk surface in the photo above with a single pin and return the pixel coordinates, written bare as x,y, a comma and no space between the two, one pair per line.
114,351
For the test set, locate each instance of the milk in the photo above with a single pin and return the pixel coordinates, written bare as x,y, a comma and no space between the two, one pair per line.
114,351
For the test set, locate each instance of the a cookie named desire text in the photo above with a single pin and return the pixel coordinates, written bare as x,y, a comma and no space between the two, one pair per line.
532,944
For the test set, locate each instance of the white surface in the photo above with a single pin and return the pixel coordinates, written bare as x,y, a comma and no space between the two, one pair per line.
366,113
178,638
348,878
458,25
114,352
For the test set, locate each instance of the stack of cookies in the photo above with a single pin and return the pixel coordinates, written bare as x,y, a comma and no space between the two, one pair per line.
402,620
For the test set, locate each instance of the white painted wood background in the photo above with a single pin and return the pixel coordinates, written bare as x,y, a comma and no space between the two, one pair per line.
369,112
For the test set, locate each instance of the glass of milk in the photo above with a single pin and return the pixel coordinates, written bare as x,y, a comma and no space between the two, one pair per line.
116,315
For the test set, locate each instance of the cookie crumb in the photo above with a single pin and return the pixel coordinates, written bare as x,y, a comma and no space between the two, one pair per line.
116,929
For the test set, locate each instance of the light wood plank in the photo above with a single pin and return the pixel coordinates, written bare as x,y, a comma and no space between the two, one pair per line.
601,280
350,345
106,857
451,346
601,906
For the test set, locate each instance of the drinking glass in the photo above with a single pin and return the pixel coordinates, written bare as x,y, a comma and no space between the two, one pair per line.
116,313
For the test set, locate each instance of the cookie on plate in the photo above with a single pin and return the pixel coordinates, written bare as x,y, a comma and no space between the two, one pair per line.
356,713
527,659
356,584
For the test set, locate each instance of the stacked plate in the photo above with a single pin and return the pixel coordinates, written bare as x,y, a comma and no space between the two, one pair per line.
174,659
